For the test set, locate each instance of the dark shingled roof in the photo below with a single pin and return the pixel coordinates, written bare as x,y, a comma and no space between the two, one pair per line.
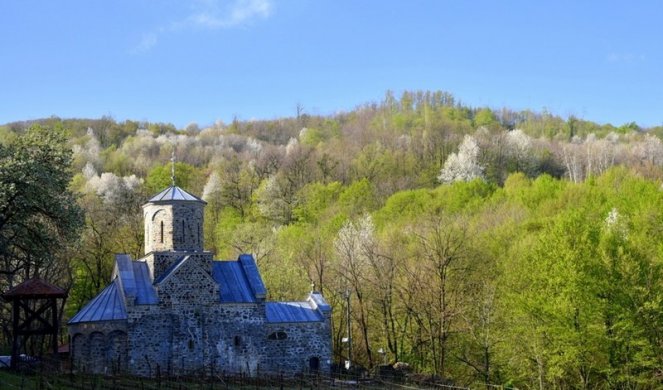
174,193
34,288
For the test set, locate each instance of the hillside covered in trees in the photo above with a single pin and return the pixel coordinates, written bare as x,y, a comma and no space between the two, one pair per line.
479,245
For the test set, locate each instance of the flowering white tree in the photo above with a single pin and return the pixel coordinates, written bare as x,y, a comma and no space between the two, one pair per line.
649,150
212,189
464,165
353,241
276,199
353,246
292,145
520,144
90,151
113,189
615,223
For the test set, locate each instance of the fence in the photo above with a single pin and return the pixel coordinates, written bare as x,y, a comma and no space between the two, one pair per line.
45,375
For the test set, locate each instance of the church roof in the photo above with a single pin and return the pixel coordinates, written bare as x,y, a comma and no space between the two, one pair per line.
131,280
145,292
174,193
107,306
318,302
134,278
239,281
291,312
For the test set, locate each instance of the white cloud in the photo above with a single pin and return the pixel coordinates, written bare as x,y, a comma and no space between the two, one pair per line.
211,15
147,42
627,58
214,14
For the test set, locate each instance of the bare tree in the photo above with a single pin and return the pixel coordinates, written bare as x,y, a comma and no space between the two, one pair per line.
434,290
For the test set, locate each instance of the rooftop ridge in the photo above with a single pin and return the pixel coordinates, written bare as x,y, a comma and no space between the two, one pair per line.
174,193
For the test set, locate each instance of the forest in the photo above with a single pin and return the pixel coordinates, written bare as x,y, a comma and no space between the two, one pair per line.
515,248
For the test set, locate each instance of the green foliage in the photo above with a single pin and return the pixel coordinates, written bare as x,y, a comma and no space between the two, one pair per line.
39,217
358,198
517,280
186,176
315,199
404,206
484,117
314,136
117,162
461,196
229,219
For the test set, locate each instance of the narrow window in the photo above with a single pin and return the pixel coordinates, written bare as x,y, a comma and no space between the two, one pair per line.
183,232
238,341
198,236
280,335
161,233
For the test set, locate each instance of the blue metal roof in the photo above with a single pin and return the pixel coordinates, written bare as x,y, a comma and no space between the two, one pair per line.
319,302
124,269
134,279
145,292
239,282
174,193
233,283
107,306
253,276
291,312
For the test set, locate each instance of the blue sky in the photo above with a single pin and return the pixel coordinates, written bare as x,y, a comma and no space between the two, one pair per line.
184,61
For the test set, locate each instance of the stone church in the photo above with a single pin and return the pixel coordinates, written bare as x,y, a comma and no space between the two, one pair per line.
177,311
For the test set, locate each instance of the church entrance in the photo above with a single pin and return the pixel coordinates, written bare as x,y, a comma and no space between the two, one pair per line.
314,364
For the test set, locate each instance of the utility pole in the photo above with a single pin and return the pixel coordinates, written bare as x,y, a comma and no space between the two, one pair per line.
347,304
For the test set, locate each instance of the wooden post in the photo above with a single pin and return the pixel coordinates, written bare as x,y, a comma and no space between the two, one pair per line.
54,323
15,320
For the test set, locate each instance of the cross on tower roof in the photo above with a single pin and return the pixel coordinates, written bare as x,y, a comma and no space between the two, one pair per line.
172,166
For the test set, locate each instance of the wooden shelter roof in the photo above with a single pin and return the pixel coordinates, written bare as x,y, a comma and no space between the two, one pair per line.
34,288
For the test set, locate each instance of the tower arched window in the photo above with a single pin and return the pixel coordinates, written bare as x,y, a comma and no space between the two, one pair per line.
161,232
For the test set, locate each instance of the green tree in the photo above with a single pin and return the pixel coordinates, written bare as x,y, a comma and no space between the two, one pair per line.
39,217
484,117
186,176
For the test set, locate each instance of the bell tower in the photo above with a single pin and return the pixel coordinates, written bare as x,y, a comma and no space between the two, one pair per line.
173,222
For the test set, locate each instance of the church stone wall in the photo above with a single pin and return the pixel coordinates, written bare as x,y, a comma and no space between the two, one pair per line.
99,347
223,338
305,343
192,283
159,262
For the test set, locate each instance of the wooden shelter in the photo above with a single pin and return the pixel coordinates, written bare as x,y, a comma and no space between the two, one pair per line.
34,312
